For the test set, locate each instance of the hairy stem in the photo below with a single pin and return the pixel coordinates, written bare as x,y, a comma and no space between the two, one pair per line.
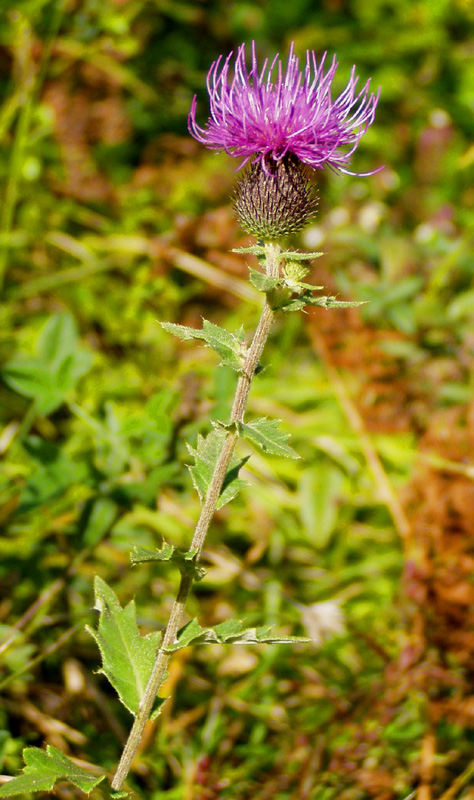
207,512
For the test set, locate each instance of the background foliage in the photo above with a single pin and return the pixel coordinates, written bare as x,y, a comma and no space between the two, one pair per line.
113,218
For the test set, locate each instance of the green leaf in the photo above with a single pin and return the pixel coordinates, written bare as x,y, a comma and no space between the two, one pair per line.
185,560
55,472
294,255
100,518
332,302
230,347
231,632
461,306
58,339
320,493
259,251
32,378
308,299
255,249
53,374
299,286
65,377
140,555
43,768
263,282
206,456
127,657
264,433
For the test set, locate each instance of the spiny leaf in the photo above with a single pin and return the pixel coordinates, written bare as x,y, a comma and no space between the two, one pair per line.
265,433
185,560
263,282
298,286
206,456
229,346
255,249
231,632
44,767
259,251
333,302
308,299
127,657
296,256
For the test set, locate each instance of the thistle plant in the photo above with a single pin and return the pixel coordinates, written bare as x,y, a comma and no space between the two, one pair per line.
283,124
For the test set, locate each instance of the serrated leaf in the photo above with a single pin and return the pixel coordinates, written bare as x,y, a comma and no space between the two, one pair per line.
263,282
206,456
297,285
127,657
331,302
181,331
140,555
308,299
230,632
295,304
255,249
294,255
228,346
265,433
43,768
258,250
185,560
264,635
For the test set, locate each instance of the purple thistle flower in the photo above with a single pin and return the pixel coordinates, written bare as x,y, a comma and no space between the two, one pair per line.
255,117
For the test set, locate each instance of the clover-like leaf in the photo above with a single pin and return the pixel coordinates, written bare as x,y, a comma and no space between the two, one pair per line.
52,374
266,434
206,456
44,767
127,656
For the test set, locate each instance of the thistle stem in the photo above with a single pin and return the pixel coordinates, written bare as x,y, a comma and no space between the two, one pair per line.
207,512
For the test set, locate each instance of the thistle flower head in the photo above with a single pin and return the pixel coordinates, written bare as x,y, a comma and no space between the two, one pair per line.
269,113
276,203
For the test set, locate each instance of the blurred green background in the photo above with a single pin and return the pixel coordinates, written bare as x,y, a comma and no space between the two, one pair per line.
112,217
